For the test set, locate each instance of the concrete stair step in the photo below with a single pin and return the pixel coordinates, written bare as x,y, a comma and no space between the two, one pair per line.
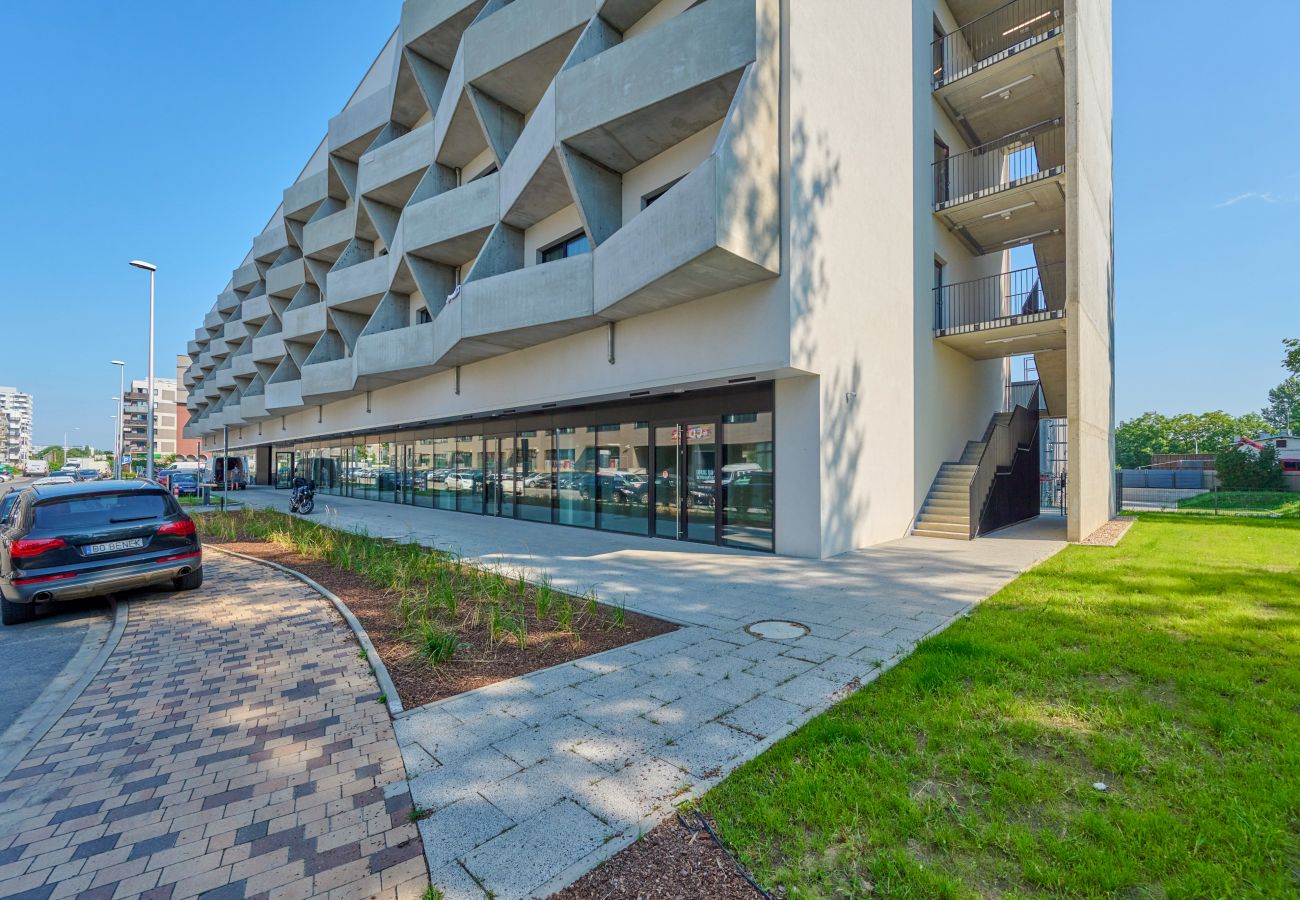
947,535
954,527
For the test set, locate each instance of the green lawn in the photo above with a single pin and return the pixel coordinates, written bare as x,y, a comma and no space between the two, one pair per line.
1284,503
1167,668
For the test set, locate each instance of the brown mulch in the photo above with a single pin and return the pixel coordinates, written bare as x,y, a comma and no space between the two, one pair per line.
478,662
1109,534
669,863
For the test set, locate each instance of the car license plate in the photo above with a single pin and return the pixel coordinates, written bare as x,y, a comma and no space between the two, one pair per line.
113,546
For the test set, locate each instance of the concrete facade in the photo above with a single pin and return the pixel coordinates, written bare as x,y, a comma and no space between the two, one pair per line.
535,207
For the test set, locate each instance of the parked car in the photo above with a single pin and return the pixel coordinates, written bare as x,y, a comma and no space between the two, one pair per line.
183,484
162,475
8,500
85,474
67,541
464,480
54,479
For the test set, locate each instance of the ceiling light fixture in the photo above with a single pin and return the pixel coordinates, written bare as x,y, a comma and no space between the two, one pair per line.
1005,91
1006,213
1011,31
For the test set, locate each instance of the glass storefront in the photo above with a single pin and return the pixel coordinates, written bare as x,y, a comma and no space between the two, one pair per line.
700,469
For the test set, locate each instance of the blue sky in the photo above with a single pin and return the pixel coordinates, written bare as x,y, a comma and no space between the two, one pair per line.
167,131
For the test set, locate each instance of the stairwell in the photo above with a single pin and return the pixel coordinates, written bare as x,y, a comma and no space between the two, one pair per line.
947,512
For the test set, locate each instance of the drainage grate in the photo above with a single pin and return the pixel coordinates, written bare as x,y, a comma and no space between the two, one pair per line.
775,630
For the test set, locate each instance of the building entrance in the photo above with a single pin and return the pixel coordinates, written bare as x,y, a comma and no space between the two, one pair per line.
686,481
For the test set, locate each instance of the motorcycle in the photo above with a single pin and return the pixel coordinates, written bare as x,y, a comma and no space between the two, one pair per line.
303,498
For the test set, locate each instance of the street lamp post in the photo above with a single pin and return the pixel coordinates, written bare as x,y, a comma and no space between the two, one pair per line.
152,270
118,443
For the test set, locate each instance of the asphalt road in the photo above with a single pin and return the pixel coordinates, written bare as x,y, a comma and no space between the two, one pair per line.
34,653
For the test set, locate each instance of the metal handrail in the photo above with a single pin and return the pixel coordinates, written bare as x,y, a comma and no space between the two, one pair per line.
1001,443
1006,162
1020,292
959,52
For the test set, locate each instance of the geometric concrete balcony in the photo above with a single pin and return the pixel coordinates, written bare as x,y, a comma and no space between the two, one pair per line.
192,347
1002,70
243,279
325,381
285,278
359,287
390,173
1006,192
302,198
228,301
224,378
1013,313
326,237
256,309
235,331
283,397
304,324
213,321
242,365
253,408
388,357
513,54
205,362
219,348
270,243
673,80
268,348
450,228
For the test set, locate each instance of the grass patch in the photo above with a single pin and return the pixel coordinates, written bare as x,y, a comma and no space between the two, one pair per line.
1281,503
441,624
1167,668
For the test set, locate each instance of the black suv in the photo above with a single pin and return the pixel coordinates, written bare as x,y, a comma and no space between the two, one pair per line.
68,541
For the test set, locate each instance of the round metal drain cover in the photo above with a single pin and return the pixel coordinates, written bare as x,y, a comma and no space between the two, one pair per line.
775,630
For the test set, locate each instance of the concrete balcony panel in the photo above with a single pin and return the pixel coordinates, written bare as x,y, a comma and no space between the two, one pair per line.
1011,217
457,135
1011,90
303,198
270,243
623,14
210,389
433,28
243,365
324,382
253,408
304,324
394,356
673,81
352,130
514,53
235,331
326,238
518,309
694,253
285,279
360,286
256,309
269,348
242,279
1012,336
391,173
192,348
451,227
228,301
532,180
219,348
224,377
283,397
213,321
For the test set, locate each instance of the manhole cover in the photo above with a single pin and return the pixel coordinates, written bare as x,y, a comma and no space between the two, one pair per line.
774,630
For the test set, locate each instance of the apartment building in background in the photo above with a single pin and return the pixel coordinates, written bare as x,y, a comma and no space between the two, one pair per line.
746,272
135,415
15,427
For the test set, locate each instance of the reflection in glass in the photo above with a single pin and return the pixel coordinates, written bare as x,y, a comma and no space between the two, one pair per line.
622,485
444,464
667,502
466,480
535,457
575,484
747,481
422,474
700,456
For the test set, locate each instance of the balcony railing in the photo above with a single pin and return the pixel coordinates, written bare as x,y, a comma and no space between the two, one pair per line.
1002,164
998,33
1020,292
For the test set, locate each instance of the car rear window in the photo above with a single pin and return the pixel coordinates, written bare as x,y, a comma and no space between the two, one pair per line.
100,509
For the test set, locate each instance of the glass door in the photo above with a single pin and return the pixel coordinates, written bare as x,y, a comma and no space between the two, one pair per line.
686,481
284,470
499,476
405,464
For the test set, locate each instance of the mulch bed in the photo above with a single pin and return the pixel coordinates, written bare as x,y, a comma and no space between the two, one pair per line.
669,863
477,662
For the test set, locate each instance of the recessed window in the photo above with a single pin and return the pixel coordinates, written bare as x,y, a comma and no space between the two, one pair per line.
485,173
658,192
570,246
422,317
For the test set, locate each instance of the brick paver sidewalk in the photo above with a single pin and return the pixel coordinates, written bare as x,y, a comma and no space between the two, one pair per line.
231,747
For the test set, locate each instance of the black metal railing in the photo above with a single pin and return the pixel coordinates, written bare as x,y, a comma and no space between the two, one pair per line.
1020,292
959,52
1004,488
1001,164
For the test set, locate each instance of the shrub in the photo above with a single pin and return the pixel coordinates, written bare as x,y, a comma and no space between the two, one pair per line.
1240,470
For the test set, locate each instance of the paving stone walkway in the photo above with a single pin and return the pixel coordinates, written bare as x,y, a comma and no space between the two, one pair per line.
532,781
231,747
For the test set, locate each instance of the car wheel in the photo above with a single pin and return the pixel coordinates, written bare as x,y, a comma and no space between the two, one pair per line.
16,613
191,582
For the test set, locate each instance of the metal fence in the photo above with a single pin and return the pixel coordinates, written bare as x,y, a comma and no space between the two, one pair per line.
959,52
1136,494
1001,164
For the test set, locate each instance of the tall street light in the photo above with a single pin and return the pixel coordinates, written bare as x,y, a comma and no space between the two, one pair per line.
148,470
121,417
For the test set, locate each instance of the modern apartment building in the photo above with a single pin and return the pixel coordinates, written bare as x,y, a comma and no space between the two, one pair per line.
750,272
135,414
15,427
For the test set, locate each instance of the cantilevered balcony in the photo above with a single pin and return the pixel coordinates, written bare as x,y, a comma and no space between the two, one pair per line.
1002,70
1022,311
1007,192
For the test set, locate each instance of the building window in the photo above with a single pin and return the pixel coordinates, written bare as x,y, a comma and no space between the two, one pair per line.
570,246
659,192
748,481
422,317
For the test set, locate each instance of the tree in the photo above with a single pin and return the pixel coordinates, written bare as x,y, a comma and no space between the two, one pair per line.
1243,469
1282,415
1137,439
1291,360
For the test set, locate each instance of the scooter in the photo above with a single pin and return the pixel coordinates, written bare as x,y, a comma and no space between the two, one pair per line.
303,498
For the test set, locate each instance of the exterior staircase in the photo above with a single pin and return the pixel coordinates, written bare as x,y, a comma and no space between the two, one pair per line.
947,511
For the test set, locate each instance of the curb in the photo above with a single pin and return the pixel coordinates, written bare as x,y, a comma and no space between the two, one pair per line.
57,698
376,663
